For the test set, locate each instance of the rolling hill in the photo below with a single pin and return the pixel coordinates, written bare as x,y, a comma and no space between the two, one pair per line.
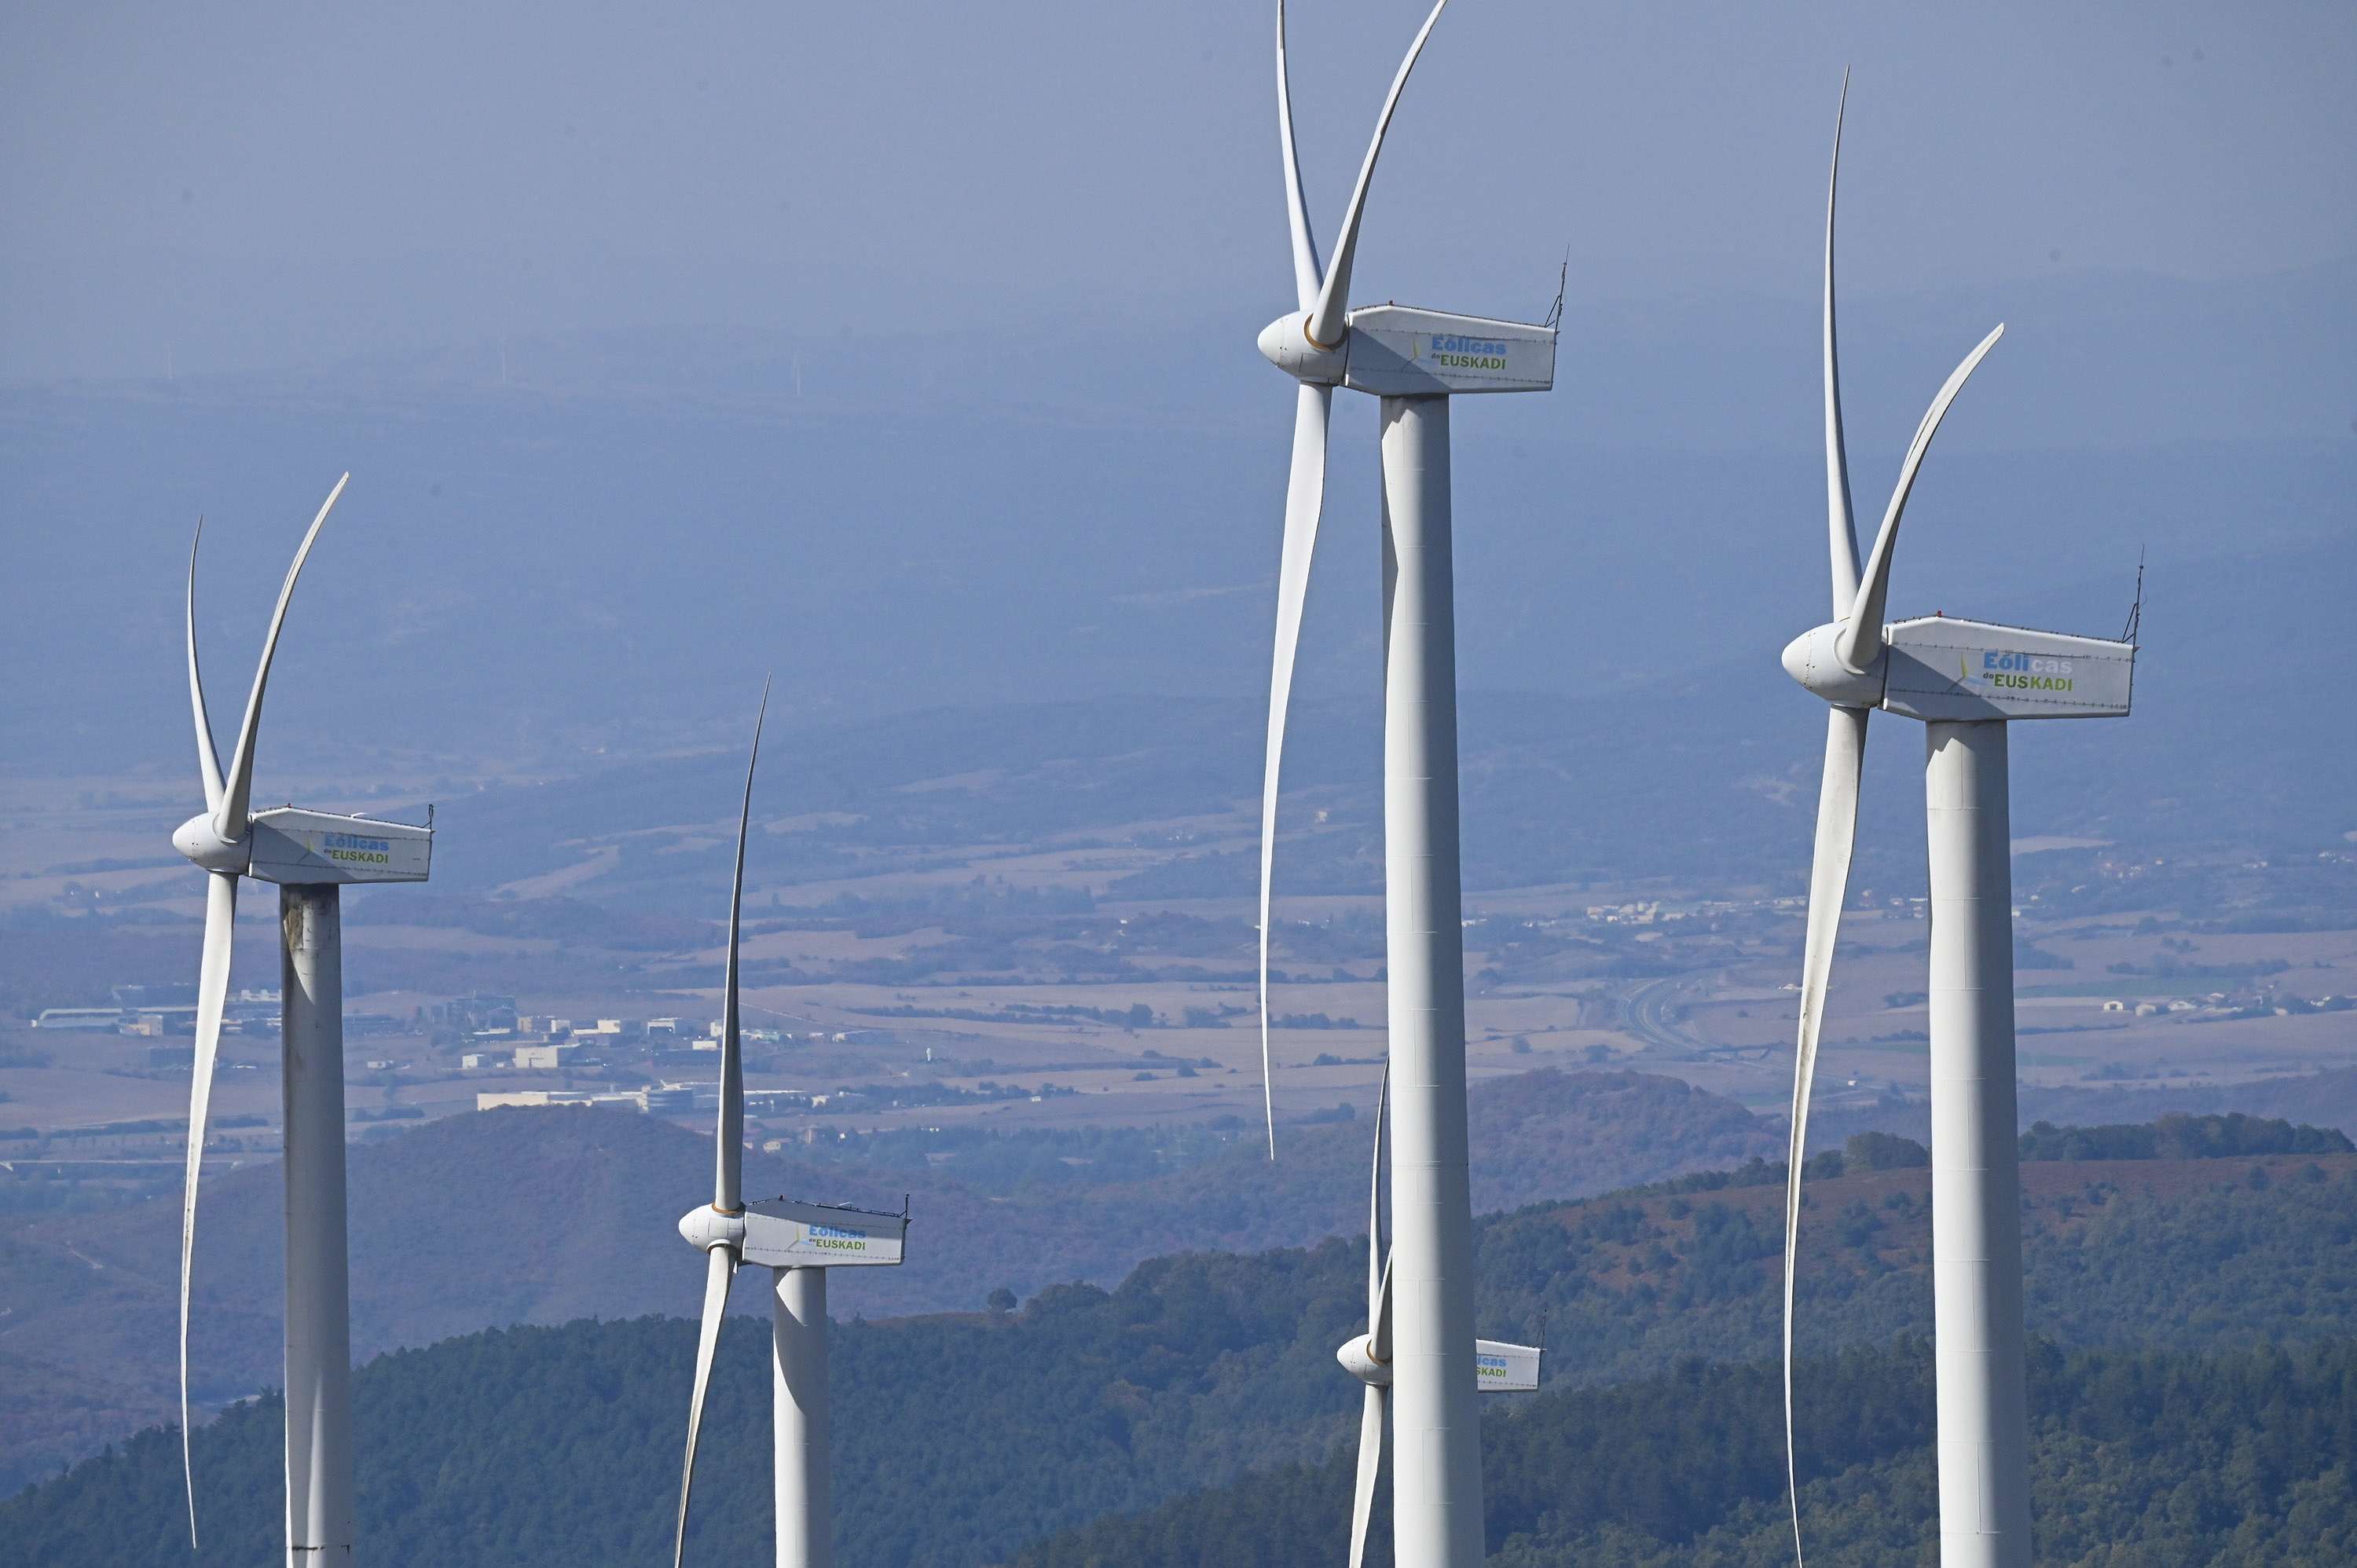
541,1216
2147,1459
963,1437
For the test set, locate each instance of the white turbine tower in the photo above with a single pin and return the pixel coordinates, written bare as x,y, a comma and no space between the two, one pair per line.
310,855
1965,680
1415,360
797,1243
1498,1368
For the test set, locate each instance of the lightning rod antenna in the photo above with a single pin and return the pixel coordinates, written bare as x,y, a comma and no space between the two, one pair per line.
1562,280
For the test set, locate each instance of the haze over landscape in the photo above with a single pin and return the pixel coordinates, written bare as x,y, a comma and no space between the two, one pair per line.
905,357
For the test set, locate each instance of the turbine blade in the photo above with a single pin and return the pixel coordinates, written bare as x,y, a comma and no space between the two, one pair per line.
213,991
1375,1250
729,1154
1839,523
1325,323
1371,1462
1861,639
1379,1326
720,1267
229,816
1306,270
1304,497
208,759
1828,886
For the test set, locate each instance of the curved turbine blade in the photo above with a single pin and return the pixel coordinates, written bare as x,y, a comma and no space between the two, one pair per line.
1828,886
1304,497
1861,639
1377,1254
728,1139
720,1267
1306,270
229,816
1325,323
208,759
213,991
1839,525
1371,1461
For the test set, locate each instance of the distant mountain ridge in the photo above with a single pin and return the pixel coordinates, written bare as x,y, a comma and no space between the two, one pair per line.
493,550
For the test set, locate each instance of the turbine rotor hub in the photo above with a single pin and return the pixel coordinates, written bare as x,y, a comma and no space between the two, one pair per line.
1813,660
706,1227
1284,343
196,839
1358,1358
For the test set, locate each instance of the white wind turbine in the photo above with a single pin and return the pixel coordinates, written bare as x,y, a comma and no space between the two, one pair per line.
797,1243
1414,360
1498,1368
1965,680
310,855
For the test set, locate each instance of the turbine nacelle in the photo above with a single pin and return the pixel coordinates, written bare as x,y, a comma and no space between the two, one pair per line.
288,844
782,1233
1814,658
1498,1367
1948,667
1405,350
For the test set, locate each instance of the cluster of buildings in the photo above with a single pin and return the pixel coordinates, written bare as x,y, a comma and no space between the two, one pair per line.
495,1037
678,1099
155,1012
536,1042
2218,1006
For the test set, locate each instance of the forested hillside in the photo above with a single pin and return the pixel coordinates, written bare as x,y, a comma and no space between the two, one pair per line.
2150,1458
587,1201
962,1438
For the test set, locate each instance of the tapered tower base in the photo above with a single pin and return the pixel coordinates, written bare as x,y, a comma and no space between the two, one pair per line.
1984,1420
801,1428
1436,1421
319,1513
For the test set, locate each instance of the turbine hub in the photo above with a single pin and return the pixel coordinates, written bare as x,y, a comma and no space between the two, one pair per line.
1358,1358
1284,343
706,1228
196,839
1813,660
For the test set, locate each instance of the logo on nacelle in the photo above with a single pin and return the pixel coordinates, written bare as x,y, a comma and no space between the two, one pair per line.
2026,671
2027,663
1462,354
352,847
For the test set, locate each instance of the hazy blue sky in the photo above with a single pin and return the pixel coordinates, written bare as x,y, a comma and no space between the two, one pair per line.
285,184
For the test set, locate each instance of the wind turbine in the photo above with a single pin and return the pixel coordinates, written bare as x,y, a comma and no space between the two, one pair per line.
1498,1367
1966,680
797,1243
310,855
1415,360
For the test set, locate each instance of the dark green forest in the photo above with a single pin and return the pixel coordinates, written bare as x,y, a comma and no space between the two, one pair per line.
964,1438
2137,1457
87,1353
2181,1138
